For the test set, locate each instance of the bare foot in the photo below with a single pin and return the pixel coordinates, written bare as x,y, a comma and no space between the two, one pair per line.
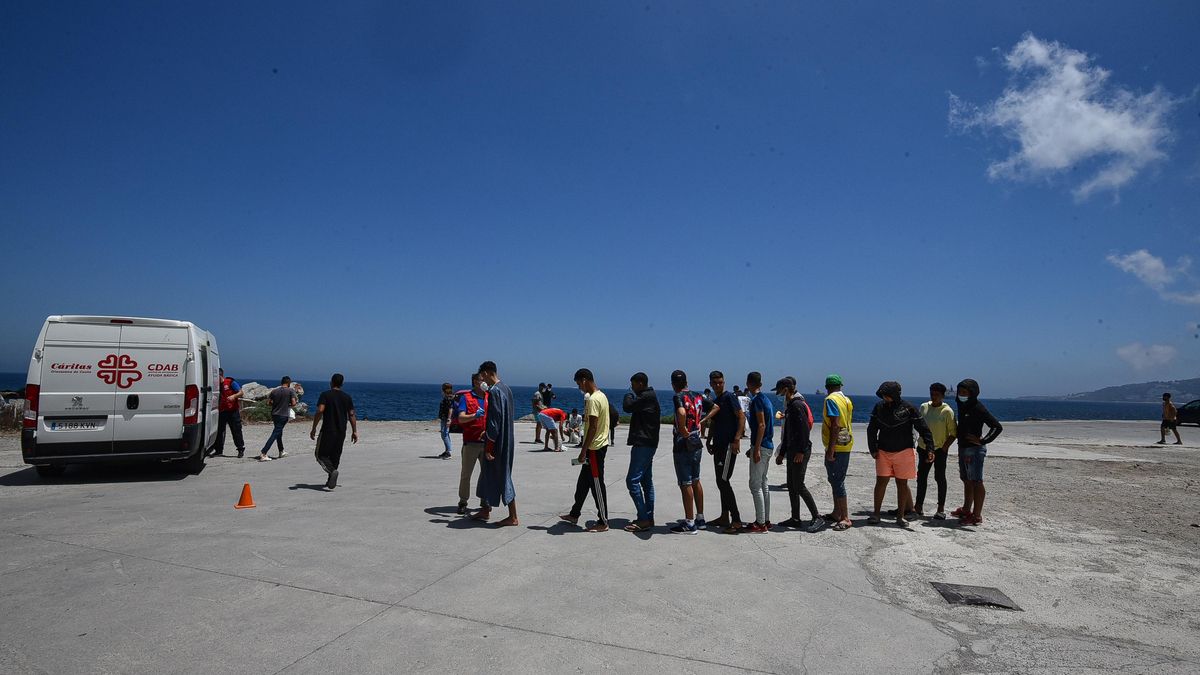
482,514
507,522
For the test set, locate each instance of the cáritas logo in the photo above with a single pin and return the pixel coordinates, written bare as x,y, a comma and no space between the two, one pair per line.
119,370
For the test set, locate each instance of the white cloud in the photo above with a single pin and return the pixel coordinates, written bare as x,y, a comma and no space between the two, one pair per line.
1155,273
1062,110
1144,357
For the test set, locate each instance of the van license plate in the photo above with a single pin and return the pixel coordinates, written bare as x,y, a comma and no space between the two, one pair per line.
75,425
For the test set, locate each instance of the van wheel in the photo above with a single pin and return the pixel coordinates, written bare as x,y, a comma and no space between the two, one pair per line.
50,471
195,463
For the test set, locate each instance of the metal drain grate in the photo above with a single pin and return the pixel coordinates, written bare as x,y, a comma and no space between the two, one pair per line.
983,596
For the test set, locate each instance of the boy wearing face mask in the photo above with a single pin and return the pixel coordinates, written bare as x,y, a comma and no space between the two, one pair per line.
972,450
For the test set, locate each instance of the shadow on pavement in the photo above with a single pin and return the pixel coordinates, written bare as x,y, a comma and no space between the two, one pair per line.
85,474
448,516
319,487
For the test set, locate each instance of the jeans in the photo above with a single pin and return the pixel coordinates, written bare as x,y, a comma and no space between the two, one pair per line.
796,488
758,485
471,452
277,433
591,479
723,460
939,475
640,480
970,462
233,420
836,471
446,434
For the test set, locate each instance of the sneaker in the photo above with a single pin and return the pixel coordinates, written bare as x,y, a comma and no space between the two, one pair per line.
790,522
218,453
756,528
734,528
444,455
282,454
264,458
684,528
701,524
462,509
940,515
241,453
817,524
332,482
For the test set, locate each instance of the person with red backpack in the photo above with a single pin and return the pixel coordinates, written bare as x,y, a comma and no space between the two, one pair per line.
687,451
468,420
229,414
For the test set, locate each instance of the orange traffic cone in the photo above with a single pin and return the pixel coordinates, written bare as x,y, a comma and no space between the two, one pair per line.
247,500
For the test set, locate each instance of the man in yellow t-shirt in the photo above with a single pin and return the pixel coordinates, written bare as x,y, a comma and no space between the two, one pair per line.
939,416
591,455
838,439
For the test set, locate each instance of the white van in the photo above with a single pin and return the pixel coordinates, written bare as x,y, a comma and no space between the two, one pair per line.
103,388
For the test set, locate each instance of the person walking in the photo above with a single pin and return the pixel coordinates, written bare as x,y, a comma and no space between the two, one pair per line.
762,447
645,420
500,444
795,448
229,415
687,451
445,410
837,437
335,409
538,404
281,399
972,450
1170,421
940,417
725,437
470,414
552,420
890,441
591,456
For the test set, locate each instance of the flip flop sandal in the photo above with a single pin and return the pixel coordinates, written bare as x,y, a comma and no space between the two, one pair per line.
840,527
874,520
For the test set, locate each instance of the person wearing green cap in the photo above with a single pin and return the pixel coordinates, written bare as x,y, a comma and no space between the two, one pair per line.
838,439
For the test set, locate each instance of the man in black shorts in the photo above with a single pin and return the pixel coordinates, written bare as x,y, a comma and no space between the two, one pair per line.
1170,421
334,409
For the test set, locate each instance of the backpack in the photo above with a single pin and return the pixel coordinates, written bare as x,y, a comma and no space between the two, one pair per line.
455,426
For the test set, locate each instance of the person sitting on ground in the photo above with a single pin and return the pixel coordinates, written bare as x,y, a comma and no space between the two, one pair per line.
575,427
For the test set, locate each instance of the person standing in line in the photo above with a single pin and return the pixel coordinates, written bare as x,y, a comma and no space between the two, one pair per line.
229,414
334,409
743,398
500,445
687,451
837,436
470,414
972,450
445,410
1170,417
890,440
614,418
548,396
762,446
940,417
538,404
708,404
591,457
795,448
645,420
281,399
552,420
727,420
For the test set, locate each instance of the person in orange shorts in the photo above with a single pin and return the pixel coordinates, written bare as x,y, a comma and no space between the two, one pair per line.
890,440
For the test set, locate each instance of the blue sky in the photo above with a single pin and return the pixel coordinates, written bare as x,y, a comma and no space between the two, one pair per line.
399,191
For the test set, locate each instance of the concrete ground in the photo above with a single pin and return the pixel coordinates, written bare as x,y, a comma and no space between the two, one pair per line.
142,570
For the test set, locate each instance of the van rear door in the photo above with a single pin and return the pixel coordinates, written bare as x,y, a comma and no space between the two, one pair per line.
77,405
149,398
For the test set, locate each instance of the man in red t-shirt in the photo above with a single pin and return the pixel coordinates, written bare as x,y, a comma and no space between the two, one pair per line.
552,419
472,406
229,414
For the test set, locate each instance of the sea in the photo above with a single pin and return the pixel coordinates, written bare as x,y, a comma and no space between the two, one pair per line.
388,401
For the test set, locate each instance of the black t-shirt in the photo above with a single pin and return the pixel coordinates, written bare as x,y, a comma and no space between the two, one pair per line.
445,407
548,398
724,425
338,406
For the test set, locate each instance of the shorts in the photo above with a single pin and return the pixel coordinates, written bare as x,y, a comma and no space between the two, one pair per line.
547,422
901,465
1168,425
687,463
970,462
836,472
